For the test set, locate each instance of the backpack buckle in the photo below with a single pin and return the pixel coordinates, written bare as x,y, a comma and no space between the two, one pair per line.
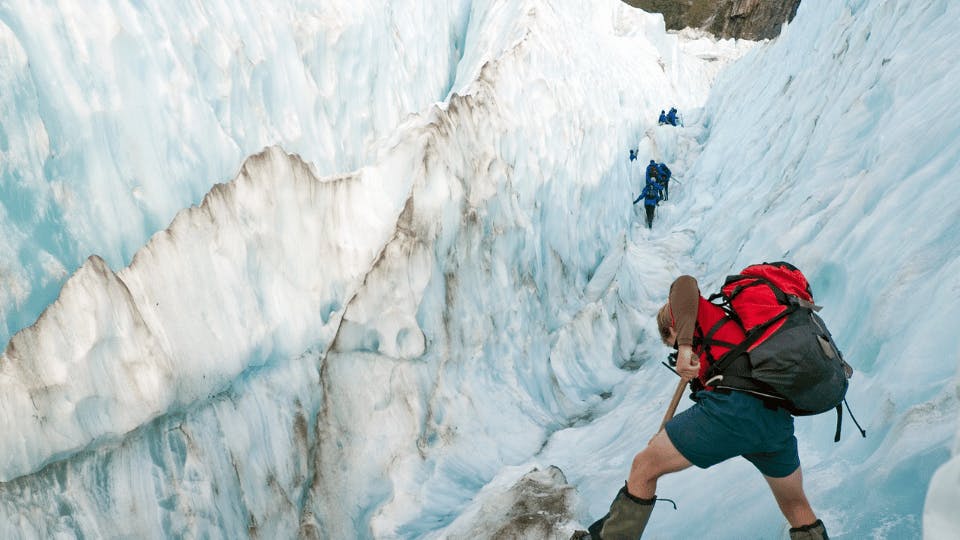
796,301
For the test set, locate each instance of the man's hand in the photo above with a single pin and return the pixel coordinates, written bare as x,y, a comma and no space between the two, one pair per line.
688,365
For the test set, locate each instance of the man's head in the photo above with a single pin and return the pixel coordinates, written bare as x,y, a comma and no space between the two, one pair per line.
665,325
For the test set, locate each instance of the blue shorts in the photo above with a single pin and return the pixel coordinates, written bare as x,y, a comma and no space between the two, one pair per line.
724,425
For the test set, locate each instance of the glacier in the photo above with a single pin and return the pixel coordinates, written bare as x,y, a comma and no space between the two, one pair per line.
346,270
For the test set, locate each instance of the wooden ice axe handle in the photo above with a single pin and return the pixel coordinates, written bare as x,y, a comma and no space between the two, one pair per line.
674,402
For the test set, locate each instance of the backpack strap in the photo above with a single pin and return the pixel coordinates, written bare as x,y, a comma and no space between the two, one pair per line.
708,340
836,437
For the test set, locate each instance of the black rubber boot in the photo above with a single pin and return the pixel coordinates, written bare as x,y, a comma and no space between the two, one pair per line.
626,520
813,531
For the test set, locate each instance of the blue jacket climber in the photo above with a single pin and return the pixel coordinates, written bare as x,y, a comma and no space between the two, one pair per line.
672,116
650,196
664,171
653,172
664,174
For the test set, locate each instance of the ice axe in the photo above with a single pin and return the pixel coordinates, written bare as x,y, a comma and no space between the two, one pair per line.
674,402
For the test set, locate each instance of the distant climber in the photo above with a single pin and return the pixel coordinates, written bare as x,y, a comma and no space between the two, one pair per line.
663,118
672,116
664,173
653,172
651,197
633,154
723,423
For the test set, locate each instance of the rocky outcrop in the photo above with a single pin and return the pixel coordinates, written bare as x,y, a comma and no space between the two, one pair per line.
747,19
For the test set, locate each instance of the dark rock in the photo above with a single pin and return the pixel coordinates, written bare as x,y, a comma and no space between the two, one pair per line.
746,19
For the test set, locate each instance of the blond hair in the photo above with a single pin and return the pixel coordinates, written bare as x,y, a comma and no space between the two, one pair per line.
664,321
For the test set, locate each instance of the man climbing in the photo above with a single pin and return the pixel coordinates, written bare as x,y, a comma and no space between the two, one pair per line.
664,173
633,154
663,118
653,172
723,423
672,116
651,198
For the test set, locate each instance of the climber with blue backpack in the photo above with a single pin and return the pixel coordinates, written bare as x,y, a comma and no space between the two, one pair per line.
756,354
651,198
672,116
664,173
653,172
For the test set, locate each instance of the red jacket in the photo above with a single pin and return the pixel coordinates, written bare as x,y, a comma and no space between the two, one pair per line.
693,317
726,336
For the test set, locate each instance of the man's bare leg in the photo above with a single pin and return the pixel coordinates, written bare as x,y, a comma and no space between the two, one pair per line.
790,497
631,508
657,459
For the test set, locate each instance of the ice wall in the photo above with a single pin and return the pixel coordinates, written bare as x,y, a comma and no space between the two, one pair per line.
115,115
